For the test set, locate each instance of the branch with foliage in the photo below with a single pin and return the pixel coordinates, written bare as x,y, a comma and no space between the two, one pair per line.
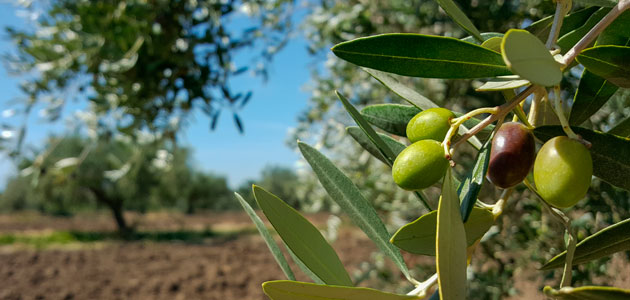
528,67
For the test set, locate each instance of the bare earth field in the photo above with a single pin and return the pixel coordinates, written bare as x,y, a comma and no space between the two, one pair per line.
206,256
220,267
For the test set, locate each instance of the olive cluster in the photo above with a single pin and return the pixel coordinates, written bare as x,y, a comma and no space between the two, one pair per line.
562,168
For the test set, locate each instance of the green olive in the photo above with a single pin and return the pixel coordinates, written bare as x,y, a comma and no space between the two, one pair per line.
432,123
420,165
562,171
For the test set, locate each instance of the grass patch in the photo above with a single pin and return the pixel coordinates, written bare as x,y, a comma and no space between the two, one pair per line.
44,240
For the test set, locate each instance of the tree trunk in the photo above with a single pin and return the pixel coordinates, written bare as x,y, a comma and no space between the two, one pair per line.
116,207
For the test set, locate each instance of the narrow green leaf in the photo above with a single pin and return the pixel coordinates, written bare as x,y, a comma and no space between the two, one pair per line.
622,128
358,135
592,93
413,97
294,290
527,57
306,242
571,38
418,237
471,186
572,21
609,61
341,189
303,267
588,293
392,118
611,153
617,33
450,245
502,83
367,128
453,11
420,55
273,247
485,35
612,239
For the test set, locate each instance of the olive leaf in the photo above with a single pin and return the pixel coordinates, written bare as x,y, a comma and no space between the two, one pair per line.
572,21
588,293
420,55
369,131
392,118
418,237
341,189
469,189
622,128
609,61
359,135
294,290
304,239
502,83
450,245
273,247
592,93
526,56
453,11
612,239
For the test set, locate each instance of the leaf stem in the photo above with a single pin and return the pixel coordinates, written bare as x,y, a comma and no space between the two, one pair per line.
595,31
497,208
456,122
559,110
422,287
562,7
571,243
502,110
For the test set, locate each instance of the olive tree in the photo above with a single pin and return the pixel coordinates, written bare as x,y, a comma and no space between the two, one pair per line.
529,68
144,65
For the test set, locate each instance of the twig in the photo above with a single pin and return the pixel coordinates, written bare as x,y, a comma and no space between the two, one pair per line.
595,31
502,110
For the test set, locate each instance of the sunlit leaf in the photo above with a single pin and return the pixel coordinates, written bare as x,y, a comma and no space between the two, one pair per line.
493,44
622,128
303,267
450,245
485,35
610,62
358,135
527,57
422,56
294,290
453,11
502,83
392,118
610,153
273,247
341,189
304,239
588,293
418,237
610,240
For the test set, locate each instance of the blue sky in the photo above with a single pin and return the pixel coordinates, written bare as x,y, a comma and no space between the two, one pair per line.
271,112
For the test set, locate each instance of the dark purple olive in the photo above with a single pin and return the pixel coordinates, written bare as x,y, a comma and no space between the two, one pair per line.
512,155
